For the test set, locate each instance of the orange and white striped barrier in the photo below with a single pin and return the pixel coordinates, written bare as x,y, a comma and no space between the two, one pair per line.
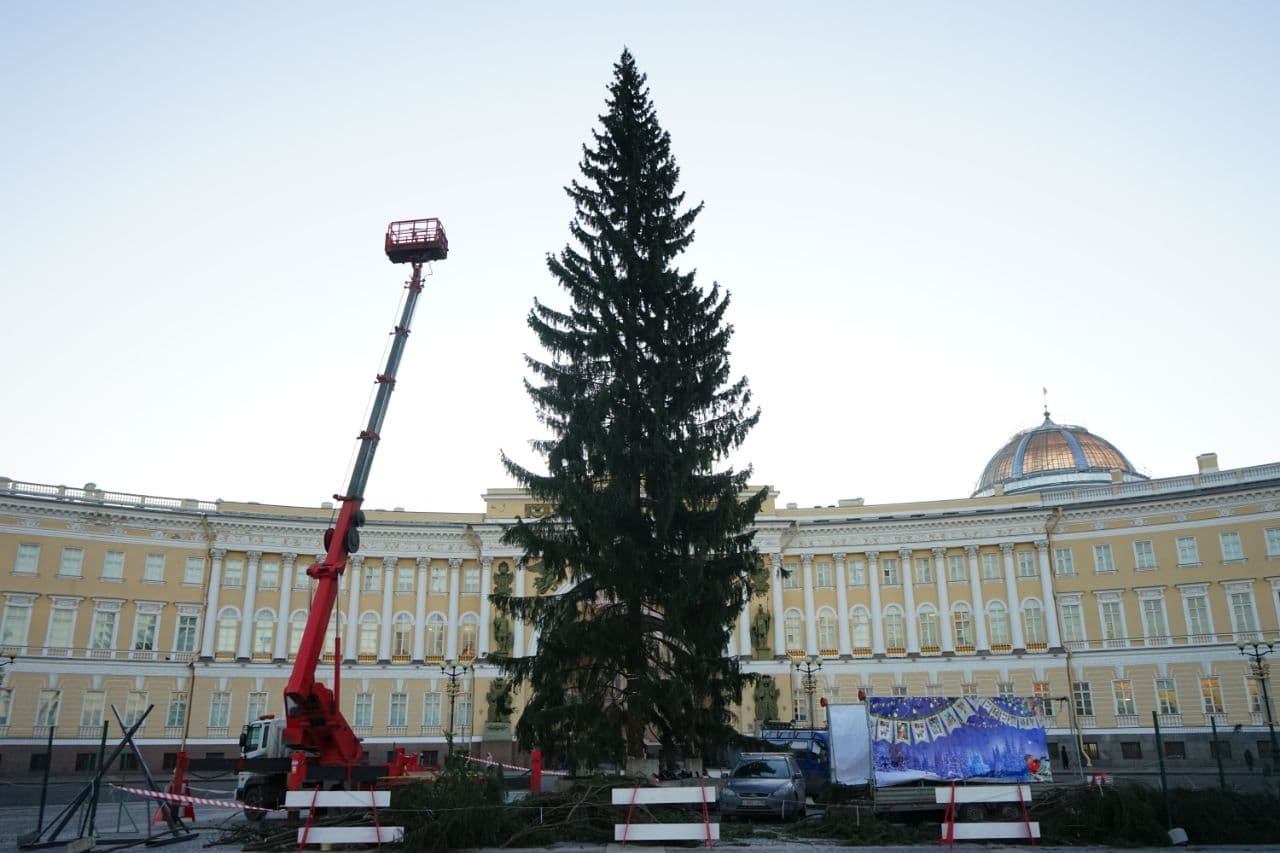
185,798
488,763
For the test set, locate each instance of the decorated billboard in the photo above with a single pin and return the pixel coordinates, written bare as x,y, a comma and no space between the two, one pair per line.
975,738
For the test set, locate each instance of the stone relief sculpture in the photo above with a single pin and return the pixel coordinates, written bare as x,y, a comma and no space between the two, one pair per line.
765,695
761,640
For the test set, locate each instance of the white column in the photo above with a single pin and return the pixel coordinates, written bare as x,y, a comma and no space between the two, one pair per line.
486,579
810,612
451,631
388,590
211,611
779,635
744,629
355,571
947,643
420,613
1050,607
250,602
1011,593
842,605
281,650
909,593
975,592
877,618
517,624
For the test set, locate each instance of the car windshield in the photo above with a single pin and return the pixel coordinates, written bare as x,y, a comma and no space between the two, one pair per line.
762,768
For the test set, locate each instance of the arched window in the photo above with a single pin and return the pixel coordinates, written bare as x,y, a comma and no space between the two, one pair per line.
928,624
895,632
793,631
264,633
1033,622
827,641
998,624
297,625
435,636
402,637
367,641
228,632
860,628
962,622
468,636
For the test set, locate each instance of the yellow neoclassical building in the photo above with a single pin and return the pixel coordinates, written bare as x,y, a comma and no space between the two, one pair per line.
1067,575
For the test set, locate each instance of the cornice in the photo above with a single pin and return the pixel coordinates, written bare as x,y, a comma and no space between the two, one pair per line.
1135,509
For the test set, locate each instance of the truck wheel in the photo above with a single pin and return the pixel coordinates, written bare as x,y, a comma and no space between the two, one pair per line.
972,812
253,797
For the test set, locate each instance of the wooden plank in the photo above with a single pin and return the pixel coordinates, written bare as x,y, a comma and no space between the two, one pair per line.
983,794
667,796
352,835
977,831
337,799
665,831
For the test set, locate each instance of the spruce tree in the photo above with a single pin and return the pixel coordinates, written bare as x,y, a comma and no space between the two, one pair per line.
645,555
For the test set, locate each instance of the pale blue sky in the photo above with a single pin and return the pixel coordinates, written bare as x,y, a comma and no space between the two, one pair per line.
925,212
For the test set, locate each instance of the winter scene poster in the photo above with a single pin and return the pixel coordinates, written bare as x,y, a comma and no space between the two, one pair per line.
973,738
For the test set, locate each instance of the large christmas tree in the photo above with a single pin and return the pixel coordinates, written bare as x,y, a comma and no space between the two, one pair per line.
645,555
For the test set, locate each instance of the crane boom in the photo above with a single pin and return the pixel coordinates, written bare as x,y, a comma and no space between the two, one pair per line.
313,721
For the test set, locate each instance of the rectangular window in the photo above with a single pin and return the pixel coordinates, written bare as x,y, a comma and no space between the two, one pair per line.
969,689
1144,555
1253,694
991,567
1091,749
957,571
302,580
898,690
86,761
399,715
186,638
1219,749
824,575
924,570
790,576
1272,535
857,572
1130,749
92,708
371,579
364,710
1188,551
6,704
144,631
461,721
1112,623
439,582
256,707
176,714
17,619
1122,690
72,565
219,709
47,704
1166,696
62,622
1072,623
1175,749
193,571
1082,692
153,569
1199,624
1244,619
135,703
1005,689
1231,547
1043,698
104,630
113,566
1063,564
889,574
471,581
1211,695
269,575
1103,561
404,579
1027,564
1154,624
233,572
431,705
28,562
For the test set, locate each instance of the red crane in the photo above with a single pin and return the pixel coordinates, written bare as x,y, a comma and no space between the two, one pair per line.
314,724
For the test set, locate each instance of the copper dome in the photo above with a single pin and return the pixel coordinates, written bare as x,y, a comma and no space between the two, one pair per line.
1053,456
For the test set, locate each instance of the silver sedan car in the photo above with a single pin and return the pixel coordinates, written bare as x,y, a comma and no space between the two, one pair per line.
764,783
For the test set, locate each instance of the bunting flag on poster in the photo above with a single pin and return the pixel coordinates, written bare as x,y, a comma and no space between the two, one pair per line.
958,737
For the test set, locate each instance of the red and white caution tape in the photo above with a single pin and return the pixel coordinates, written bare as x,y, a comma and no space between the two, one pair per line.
485,761
184,798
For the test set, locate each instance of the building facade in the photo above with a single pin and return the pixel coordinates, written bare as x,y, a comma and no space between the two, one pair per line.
1066,576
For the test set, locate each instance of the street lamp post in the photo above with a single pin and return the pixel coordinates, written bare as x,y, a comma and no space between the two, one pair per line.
453,672
1258,667
807,670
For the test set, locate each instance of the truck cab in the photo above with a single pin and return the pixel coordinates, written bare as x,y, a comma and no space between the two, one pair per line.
262,738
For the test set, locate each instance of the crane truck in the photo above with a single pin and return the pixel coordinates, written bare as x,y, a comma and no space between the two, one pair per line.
313,745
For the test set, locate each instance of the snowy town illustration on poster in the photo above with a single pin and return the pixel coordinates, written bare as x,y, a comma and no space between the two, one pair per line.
979,738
